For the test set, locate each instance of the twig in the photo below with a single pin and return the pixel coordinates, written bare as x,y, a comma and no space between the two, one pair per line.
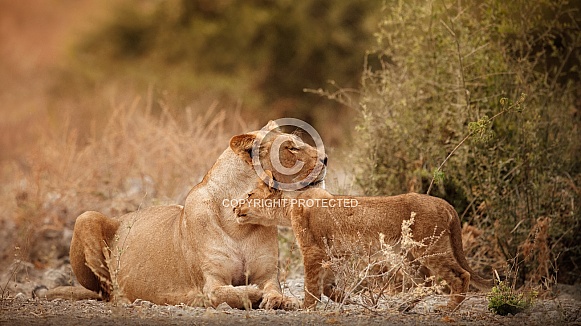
460,64
446,160
12,274
487,122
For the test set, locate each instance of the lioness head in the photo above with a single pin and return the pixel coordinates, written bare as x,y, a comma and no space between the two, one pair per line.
291,160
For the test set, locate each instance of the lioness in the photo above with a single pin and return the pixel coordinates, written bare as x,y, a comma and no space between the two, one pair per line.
320,220
196,254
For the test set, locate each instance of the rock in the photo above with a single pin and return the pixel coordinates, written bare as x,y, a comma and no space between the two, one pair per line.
209,313
223,307
39,292
143,303
56,277
20,297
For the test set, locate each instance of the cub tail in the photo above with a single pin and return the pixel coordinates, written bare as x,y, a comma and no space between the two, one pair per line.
476,280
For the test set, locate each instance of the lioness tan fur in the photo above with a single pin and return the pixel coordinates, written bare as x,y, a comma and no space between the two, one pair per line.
194,254
340,222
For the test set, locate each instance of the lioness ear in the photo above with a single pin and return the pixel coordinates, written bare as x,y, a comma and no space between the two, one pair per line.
242,146
271,125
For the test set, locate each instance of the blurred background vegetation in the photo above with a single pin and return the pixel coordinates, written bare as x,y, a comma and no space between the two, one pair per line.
259,55
90,90
440,67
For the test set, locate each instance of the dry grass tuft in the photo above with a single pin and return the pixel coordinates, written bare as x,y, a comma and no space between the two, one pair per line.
536,252
137,159
386,278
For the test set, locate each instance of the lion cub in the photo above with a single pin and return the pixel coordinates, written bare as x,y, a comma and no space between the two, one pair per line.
320,220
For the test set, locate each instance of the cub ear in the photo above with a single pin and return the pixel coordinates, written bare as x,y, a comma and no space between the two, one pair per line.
271,181
242,146
268,177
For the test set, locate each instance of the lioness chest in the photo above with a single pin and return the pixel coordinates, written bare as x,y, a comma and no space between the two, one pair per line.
242,260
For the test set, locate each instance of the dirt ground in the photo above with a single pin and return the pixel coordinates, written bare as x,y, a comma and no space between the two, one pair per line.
18,307
20,311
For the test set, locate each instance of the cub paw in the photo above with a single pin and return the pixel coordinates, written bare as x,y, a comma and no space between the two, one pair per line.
241,218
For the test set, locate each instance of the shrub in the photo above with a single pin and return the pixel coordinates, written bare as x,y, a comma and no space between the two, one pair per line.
440,67
503,300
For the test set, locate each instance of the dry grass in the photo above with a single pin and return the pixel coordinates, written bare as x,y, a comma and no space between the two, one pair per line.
137,159
385,278
536,252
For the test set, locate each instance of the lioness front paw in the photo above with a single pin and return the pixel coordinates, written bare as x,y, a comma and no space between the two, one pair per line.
278,301
291,303
271,301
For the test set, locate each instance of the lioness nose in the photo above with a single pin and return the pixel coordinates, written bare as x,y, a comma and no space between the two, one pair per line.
324,160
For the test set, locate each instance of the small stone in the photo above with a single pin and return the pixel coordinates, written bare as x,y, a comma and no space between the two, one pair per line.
20,297
143,303
209,313
39,292
223,307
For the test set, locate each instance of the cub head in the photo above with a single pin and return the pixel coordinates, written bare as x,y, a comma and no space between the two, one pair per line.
294,163
265,205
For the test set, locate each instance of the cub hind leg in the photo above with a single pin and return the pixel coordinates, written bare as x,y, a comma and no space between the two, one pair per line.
457,278
93,235
329,285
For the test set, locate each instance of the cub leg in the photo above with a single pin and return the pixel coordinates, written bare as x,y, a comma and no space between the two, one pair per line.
312,259
92,236
330,287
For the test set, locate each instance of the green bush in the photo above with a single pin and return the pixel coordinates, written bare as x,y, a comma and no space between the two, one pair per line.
503,300
438,69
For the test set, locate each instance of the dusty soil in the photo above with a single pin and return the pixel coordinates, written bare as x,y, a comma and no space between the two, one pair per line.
19,311
19,308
